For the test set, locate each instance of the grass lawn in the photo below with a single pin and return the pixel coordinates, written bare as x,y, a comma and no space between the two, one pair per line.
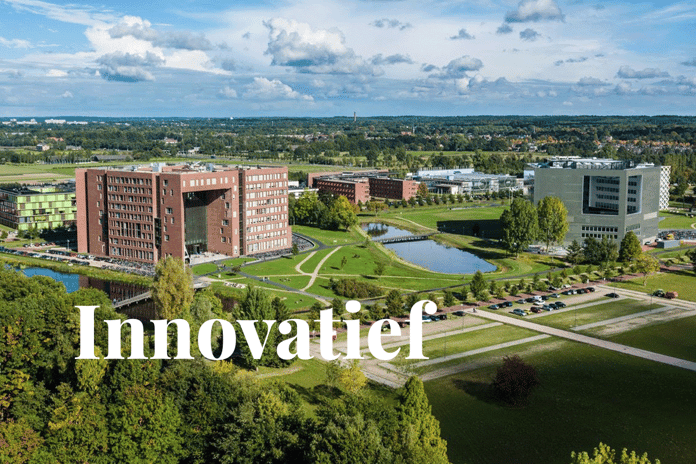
681,282
284,265
587,395
599,312
468,341
311,264
205,268
673,338
675,221
330,237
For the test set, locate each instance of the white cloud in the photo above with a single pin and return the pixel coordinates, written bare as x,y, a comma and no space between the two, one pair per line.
391,24
127,67
67,94
141,29
458,67
530,35
534,11
297,45
14,43
56,73
379,60
462,35
265,89
626,72
75,14
228,92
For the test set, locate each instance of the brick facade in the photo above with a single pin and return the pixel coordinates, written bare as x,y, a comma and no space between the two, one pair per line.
146,213
353,189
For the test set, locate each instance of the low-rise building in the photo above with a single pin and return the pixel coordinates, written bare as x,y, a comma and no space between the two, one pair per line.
46,206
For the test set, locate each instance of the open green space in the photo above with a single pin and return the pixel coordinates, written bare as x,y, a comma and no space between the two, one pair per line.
672,338
681,282
459,343
311,264
595,313
587,395
330,237
675,221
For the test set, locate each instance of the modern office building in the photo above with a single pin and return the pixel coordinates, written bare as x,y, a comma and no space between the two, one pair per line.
466,181
38,206
144,213
603,197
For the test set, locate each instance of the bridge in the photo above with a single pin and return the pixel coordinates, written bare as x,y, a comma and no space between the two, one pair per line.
147,295
406,238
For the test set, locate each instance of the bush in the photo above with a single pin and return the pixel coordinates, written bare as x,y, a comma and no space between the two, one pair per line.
351,288
515,380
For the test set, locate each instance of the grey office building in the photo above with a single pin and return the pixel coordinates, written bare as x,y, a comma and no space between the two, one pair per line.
603,197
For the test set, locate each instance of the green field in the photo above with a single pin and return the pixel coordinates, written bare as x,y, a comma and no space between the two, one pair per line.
599,312
675,221
673,338
681,282
587,395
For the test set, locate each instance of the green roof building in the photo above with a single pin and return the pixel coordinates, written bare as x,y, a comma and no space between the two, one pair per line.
41,206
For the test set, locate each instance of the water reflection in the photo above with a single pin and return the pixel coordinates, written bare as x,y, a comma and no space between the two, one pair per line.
430,254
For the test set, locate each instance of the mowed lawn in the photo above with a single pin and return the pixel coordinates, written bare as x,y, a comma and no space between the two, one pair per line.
601,311
682,282
587,395
673,338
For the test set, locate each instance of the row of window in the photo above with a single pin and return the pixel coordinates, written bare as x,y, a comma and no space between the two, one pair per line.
130,253
253,238
252,247
600,229
615,237
127,180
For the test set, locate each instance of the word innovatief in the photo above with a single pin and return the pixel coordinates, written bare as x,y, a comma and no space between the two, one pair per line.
229,338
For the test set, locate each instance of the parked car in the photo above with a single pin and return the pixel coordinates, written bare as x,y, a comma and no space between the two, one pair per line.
535,309
548,307
670,295
530,300
554,295
506,304
518,312
494,306
591,289
612,295
544,297
520,301
427,318
569,292
560,304
459,313
659,292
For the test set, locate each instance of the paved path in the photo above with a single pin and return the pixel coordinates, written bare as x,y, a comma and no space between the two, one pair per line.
681,363
318,268
623,318
298,268
646,297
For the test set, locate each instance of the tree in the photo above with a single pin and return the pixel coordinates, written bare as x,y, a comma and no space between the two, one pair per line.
344,212
514,380
449,299
630,248
575,253
422,190
553,220
379,269
647,264
352,379
419,431
597,252
344,261
520,226
295,249
605,455
172,288
478,286
394,302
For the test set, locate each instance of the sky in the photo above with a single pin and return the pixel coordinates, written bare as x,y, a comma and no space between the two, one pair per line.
190,58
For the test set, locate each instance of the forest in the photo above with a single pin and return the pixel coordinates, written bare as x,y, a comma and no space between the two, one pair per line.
54,408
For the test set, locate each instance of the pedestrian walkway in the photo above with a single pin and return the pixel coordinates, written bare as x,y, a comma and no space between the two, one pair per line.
661,358
623,318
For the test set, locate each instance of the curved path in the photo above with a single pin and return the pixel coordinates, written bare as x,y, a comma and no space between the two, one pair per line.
318,268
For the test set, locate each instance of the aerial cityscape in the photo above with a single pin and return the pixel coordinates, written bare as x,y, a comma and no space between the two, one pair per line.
348,232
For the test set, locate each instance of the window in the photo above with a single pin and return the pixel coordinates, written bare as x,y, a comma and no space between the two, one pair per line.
166,238
225,222
169,211
166,182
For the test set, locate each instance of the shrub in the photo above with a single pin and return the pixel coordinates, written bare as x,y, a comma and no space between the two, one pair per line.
515,380
351,288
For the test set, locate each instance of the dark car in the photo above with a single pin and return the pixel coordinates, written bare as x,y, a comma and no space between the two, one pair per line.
544,297
560,304
458,313
530,300
554,295
535,309
569,292
506,304
520,301
591,289
494,306
612,295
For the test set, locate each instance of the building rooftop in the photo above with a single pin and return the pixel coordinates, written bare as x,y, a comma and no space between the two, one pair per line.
566,162
181,168
40,189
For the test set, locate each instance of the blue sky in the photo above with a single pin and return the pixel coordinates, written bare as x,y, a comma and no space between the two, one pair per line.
330,57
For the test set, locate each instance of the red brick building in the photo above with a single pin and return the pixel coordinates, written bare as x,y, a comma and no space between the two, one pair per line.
394,189
354,189
144,213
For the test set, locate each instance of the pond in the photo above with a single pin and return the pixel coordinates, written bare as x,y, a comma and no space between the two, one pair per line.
429,254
